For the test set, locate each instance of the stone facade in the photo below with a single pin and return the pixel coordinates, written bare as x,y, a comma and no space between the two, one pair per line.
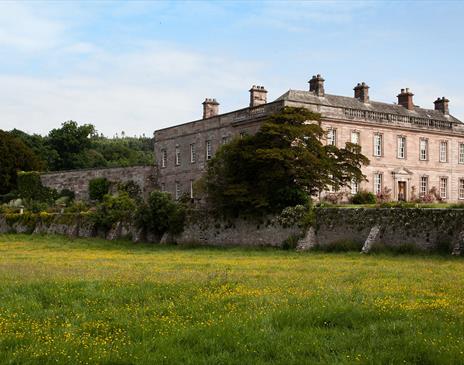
411,149
78,180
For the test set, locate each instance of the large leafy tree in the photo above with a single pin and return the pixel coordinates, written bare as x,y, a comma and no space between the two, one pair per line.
15,156
282,165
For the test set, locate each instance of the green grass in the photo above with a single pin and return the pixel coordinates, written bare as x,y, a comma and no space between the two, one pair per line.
97,302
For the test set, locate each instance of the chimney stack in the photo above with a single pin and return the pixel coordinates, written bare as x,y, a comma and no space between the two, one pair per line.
361,92
258,96
441,104
405,99
316,85
210,108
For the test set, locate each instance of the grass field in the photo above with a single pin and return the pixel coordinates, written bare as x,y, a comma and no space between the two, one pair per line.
96,302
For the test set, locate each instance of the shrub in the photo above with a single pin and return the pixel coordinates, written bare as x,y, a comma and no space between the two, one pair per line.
161,214
132,189
67,193
114,208
98,188
363,197
384,196
30,189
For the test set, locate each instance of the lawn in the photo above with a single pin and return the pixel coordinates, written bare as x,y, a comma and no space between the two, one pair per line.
97,302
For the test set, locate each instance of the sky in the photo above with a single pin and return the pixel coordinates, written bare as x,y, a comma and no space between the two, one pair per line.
140,66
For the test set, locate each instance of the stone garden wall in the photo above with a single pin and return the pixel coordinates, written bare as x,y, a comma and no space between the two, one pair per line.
423,229
78,180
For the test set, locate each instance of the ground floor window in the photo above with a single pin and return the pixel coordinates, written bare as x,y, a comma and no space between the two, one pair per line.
191,189
177,190
461,188
443,187
377,183
354,187
424,186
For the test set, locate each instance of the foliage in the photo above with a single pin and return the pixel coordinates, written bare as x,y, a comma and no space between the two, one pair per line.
363,197
161,214
132,189
98,188
114,208
299,215
283,164
384,196
14,156
30,189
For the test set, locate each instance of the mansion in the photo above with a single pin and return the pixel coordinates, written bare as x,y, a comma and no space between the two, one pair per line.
411,149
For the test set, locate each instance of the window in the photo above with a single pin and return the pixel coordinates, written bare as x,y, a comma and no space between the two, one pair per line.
401,145
193,153
177,190
354,187
163,187
377,145
332,137
443,151
177,156
443,187
225,140
164,158
191,189
461,188
209,153
377,183
424,186
242,134
423,149
355,137
461,152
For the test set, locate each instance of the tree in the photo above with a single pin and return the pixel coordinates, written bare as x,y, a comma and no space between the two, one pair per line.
70,142
282,165
14,156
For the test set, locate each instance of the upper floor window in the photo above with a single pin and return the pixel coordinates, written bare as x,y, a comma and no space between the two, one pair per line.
424,186
332,137
443,187
193,153
401,147
423,149
461,152
378,145
164,158
177,156
209,150
443,151
377,183
355,137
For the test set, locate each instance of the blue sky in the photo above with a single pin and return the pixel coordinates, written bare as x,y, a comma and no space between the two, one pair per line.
139,66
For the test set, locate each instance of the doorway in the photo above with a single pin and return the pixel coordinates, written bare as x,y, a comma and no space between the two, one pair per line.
401,190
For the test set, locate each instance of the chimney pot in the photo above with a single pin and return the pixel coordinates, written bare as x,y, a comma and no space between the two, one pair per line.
361,92
258,96
405,99
210,108
316,85
442,104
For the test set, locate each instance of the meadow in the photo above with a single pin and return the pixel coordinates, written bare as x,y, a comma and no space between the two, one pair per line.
89,301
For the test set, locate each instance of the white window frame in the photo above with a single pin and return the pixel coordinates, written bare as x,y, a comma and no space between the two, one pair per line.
163,187
423,186
193,153
354,187
461,189
423,152
191,189
443,190
332,137
164,158
378,182
209,150
177,156
355,137
177,190
378,145
401,147
461,152
225,140
443,152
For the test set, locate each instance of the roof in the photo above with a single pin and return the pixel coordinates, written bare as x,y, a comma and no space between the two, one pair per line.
338,101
